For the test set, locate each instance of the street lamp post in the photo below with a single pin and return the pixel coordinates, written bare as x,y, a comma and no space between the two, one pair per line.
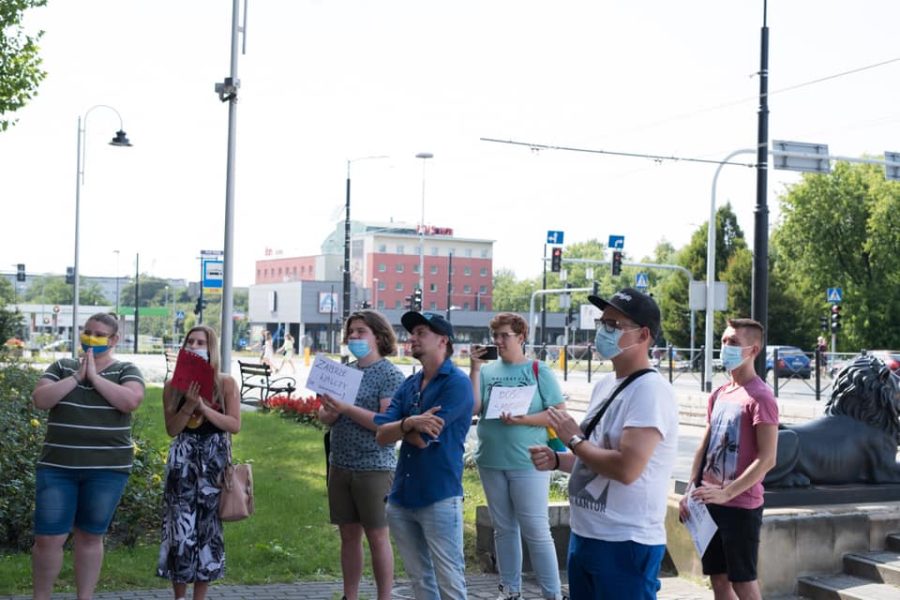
711,269
346,308
119,140
375,293
424,156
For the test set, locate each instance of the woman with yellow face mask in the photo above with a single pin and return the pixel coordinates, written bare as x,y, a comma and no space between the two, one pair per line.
87,454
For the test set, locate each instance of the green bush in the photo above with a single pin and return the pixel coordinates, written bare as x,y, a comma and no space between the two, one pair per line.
23,427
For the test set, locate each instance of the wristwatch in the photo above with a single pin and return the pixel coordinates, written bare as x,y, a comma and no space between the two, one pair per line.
574,441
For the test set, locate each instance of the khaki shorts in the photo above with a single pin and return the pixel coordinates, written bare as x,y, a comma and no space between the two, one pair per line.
358,496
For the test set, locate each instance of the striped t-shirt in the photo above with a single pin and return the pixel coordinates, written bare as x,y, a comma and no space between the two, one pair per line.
84,431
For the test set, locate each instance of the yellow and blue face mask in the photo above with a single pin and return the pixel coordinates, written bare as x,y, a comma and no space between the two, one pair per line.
93,342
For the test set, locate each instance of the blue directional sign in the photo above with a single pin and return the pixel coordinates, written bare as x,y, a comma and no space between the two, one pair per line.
641,282
834,295
554,237
617,242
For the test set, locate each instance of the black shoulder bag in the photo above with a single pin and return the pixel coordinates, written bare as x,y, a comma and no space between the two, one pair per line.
594,421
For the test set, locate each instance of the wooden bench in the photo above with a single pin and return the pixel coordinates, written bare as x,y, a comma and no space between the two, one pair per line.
257,384
171,359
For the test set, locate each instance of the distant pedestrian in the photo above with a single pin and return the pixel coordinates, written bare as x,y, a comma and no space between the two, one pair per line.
87,455
431,413
193,544
287,350
737,450
266,349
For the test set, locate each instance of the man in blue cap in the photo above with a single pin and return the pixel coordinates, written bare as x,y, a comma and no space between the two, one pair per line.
431,412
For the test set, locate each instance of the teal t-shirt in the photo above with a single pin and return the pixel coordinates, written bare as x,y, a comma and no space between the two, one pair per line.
503,446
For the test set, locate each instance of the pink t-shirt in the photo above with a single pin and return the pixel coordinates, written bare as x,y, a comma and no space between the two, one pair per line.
732,415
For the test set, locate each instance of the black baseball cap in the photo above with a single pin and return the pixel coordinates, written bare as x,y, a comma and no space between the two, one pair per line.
637,306
433,321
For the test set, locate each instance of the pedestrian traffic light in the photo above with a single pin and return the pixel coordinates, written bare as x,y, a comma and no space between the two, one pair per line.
417,299
823,323
616,262
20,272
556,259
835,318
70,275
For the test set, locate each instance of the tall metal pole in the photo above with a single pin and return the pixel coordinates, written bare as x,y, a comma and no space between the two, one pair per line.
424,156
450,283
117,283
200,300
346,307
137,296
75,344
760,280
228,92
544,309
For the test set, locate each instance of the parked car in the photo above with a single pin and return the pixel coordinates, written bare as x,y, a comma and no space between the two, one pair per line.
792,362
891,358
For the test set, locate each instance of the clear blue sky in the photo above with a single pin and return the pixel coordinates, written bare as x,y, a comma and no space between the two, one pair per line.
326,81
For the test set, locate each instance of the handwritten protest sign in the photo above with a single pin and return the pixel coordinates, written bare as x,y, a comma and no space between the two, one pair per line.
338,381
514,401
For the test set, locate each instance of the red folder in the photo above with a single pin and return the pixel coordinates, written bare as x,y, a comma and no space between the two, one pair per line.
190,368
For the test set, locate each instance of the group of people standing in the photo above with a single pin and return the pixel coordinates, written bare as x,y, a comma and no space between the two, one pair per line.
620,458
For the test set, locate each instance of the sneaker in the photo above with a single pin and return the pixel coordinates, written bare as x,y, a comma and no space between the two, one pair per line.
505,594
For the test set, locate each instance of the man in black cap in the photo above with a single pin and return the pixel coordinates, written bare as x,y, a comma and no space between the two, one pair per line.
621,459
431,413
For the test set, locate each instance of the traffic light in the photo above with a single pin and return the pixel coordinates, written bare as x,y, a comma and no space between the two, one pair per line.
417,299
20,272
70,275
835,318
366,304
823,323
409,302
596,286
556,259
201,305
616,262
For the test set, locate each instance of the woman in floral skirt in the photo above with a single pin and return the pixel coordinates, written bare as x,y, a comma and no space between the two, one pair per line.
193,548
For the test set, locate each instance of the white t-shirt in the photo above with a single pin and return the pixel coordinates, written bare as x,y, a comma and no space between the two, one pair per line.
604,509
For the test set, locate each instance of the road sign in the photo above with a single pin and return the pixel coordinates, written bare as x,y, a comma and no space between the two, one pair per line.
179,315
213,275
641,282
554,237
617,242
834,295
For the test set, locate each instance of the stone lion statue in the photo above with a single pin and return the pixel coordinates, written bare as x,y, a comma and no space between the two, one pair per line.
854,442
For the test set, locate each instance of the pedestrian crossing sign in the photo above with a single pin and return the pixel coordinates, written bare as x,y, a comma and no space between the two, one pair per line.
641,282
833,295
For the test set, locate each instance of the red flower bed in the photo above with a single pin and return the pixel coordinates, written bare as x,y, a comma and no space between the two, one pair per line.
304,410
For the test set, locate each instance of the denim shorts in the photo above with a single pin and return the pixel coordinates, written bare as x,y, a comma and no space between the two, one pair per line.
85,498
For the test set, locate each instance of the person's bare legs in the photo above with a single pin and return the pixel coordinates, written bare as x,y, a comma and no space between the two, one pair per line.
46,562
747,590
88,560
722,589
382,560
200,588
180,590
351,558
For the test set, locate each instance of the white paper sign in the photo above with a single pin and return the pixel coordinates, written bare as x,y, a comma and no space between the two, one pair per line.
699,524
514,401
338,381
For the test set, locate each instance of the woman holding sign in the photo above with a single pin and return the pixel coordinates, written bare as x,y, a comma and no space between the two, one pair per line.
360,471
516,492
201,408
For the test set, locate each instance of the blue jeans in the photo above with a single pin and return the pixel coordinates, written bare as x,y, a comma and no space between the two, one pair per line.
600,570
430,541
517,500
85,498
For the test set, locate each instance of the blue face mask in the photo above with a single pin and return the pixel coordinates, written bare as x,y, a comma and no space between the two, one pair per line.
607,344
359,348
732,357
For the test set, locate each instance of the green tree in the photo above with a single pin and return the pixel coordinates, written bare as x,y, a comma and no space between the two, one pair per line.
20,72
843,230
511,294
152,291
7,292
53,289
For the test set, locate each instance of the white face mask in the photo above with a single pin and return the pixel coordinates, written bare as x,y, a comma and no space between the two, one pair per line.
201,352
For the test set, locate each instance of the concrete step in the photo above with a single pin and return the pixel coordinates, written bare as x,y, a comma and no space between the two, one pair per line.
893,542
879,566
844,587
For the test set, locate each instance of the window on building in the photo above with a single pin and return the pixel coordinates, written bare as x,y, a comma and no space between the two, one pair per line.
416,268
434,269
433,287
381,305
482,289
382,247
467,271
484,271
467,289
398,267
465,306
468,252
398,304
399,248
382,267
433,306
435,251
382,285
484,253
398,286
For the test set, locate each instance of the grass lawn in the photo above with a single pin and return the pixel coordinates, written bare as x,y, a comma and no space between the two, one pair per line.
288,539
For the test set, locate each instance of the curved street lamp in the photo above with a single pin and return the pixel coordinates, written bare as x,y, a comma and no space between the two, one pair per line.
120,139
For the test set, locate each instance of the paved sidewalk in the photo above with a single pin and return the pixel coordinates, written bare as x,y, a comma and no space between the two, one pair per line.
480,587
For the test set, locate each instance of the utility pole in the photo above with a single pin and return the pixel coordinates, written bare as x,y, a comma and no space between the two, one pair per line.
759,309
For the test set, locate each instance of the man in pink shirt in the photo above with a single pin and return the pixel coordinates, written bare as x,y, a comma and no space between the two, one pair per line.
738,449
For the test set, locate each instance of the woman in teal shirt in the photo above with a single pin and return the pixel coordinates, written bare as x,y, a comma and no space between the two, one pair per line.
516,492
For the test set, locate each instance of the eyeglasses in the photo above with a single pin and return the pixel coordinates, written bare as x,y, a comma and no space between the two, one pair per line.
611,325
503,335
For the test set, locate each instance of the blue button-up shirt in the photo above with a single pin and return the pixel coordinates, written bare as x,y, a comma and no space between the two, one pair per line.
427,475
